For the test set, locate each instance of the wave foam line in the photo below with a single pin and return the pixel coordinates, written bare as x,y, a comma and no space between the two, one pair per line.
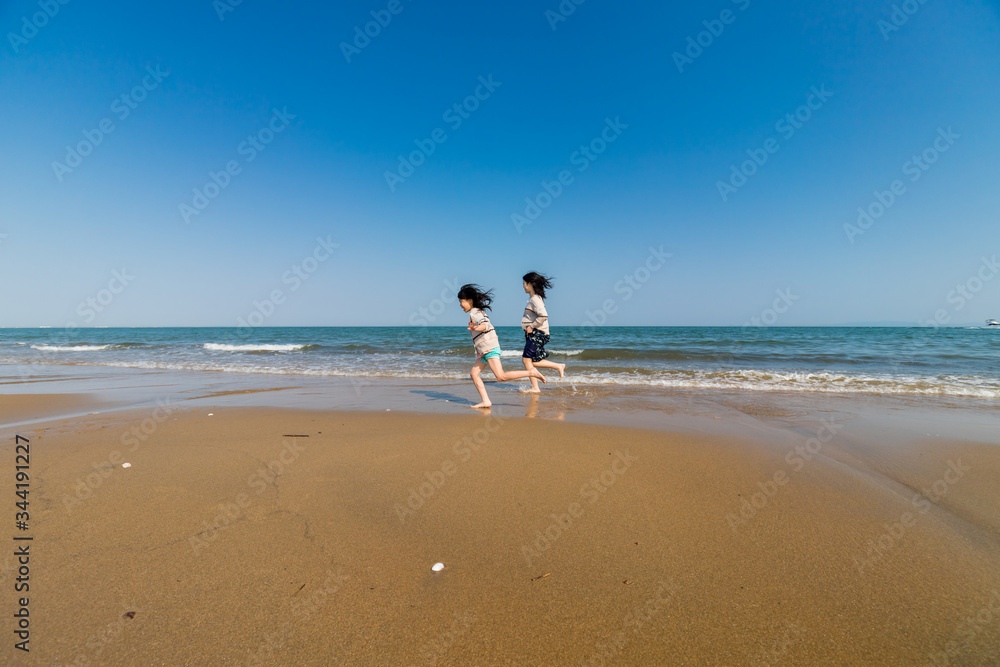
223,347
741,380
563,353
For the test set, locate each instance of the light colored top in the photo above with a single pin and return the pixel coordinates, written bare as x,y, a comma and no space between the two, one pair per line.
486,340
535,315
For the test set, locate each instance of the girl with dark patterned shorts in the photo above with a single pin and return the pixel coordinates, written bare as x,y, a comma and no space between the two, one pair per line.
535,323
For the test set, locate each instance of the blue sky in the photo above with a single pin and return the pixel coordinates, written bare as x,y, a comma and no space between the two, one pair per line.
213,84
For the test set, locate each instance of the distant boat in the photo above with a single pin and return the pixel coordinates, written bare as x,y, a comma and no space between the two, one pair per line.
992,323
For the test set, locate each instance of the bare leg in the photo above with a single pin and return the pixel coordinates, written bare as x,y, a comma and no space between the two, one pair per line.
504,376
545,363
534,383
475,373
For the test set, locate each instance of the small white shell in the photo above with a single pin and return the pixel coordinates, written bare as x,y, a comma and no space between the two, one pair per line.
126,465
437,567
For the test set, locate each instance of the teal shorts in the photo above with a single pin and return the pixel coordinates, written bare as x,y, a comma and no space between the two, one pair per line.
495,352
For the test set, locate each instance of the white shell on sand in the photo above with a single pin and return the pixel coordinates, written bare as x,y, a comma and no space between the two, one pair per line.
437,567
126,465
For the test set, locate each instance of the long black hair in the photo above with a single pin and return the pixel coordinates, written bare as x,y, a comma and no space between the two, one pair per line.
479,298
538,281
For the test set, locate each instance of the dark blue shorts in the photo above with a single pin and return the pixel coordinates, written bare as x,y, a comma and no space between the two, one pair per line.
534,345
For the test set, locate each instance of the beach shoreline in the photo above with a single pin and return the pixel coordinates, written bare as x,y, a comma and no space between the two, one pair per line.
754,414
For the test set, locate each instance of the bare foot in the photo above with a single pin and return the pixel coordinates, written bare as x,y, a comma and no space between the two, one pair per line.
482,405
532,391
538,376
562,370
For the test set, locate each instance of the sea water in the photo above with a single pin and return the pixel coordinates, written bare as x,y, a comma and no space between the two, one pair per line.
875,360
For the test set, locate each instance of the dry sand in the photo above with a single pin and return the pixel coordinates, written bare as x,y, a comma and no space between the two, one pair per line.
561,543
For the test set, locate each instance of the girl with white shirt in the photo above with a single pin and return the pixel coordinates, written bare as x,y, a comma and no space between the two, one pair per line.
535,323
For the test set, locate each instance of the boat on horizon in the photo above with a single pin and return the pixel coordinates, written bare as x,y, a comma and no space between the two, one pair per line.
992,323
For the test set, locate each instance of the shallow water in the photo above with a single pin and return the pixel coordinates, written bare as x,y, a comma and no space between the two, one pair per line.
961,362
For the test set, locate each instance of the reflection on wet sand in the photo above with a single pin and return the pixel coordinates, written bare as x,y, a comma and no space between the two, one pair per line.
532,408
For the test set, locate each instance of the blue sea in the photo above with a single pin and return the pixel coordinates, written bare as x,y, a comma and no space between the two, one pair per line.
874,360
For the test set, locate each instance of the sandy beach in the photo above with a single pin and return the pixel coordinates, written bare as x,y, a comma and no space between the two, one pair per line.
280,536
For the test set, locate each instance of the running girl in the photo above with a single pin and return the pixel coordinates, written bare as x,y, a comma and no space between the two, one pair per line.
535,323
475,302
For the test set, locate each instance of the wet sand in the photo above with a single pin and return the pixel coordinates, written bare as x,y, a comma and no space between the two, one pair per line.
15,408
236,539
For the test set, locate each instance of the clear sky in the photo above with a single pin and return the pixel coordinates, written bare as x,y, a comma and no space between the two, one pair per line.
113,115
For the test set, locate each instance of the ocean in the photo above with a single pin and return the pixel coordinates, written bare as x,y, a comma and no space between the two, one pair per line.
859,360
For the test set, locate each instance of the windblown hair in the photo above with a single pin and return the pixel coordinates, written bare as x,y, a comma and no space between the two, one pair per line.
479,298
539,282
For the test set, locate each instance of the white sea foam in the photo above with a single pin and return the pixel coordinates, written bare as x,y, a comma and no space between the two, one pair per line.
757,380
70,348
732,380
517,353
223,347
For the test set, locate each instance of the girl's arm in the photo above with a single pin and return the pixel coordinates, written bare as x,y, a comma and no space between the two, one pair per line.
483,325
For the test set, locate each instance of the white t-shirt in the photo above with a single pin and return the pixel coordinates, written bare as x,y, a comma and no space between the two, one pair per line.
535,315
484,341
